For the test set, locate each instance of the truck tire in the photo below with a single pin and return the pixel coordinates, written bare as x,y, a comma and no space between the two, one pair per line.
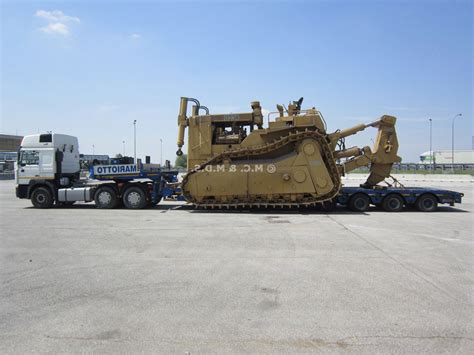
134,198
427,203
393,203
105,197
359,202
42,197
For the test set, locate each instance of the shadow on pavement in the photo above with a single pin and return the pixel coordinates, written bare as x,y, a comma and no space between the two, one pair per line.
339,210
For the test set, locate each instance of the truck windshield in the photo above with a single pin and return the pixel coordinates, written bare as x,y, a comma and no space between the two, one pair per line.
29,157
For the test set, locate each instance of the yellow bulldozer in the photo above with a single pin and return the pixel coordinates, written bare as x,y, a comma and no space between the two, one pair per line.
234,162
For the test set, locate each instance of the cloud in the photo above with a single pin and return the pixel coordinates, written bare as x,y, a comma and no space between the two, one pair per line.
134,36
55,28
58,22
56,16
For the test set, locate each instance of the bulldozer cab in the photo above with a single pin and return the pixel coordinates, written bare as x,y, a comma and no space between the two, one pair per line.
211,134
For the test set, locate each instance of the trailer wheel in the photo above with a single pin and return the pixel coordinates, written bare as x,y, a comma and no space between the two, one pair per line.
134,197
359,202
393,203
105,197
42,198
427,203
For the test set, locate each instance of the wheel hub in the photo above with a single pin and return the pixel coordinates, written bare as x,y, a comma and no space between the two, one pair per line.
394,204
360,203
133,198
105,198
428,203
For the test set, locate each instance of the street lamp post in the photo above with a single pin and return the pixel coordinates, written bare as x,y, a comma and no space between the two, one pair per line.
431,145
135,141
452,141
123,144
93,149
161,152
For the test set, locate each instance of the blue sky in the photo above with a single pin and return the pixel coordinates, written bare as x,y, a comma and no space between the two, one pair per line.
90,68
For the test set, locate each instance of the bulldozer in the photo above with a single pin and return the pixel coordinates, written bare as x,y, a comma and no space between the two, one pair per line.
234,162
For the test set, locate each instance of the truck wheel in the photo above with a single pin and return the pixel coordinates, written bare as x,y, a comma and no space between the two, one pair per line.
105,197
427,203
134,197
393,203
42,198
359,202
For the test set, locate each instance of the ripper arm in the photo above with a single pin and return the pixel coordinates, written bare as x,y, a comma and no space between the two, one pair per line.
380,158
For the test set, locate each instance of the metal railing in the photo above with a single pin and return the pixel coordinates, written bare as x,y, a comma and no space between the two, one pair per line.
434,168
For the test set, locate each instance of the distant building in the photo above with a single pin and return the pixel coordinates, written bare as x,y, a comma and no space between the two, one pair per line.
8,151
446,157
9,143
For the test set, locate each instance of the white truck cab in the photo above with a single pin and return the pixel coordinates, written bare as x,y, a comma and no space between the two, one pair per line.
45,163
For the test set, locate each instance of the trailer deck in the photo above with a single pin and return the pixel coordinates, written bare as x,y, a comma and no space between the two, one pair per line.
392,199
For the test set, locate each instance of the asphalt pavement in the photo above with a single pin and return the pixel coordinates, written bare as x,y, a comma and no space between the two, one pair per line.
176,280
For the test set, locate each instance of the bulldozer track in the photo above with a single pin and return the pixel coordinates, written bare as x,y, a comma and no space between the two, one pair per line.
249,152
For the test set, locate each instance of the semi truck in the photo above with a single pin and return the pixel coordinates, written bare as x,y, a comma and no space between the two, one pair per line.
48,173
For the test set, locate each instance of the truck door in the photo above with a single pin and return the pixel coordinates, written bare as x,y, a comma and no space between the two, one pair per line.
28,166
46,164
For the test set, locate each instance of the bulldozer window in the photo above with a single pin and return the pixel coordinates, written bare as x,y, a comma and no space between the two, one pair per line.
229,134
